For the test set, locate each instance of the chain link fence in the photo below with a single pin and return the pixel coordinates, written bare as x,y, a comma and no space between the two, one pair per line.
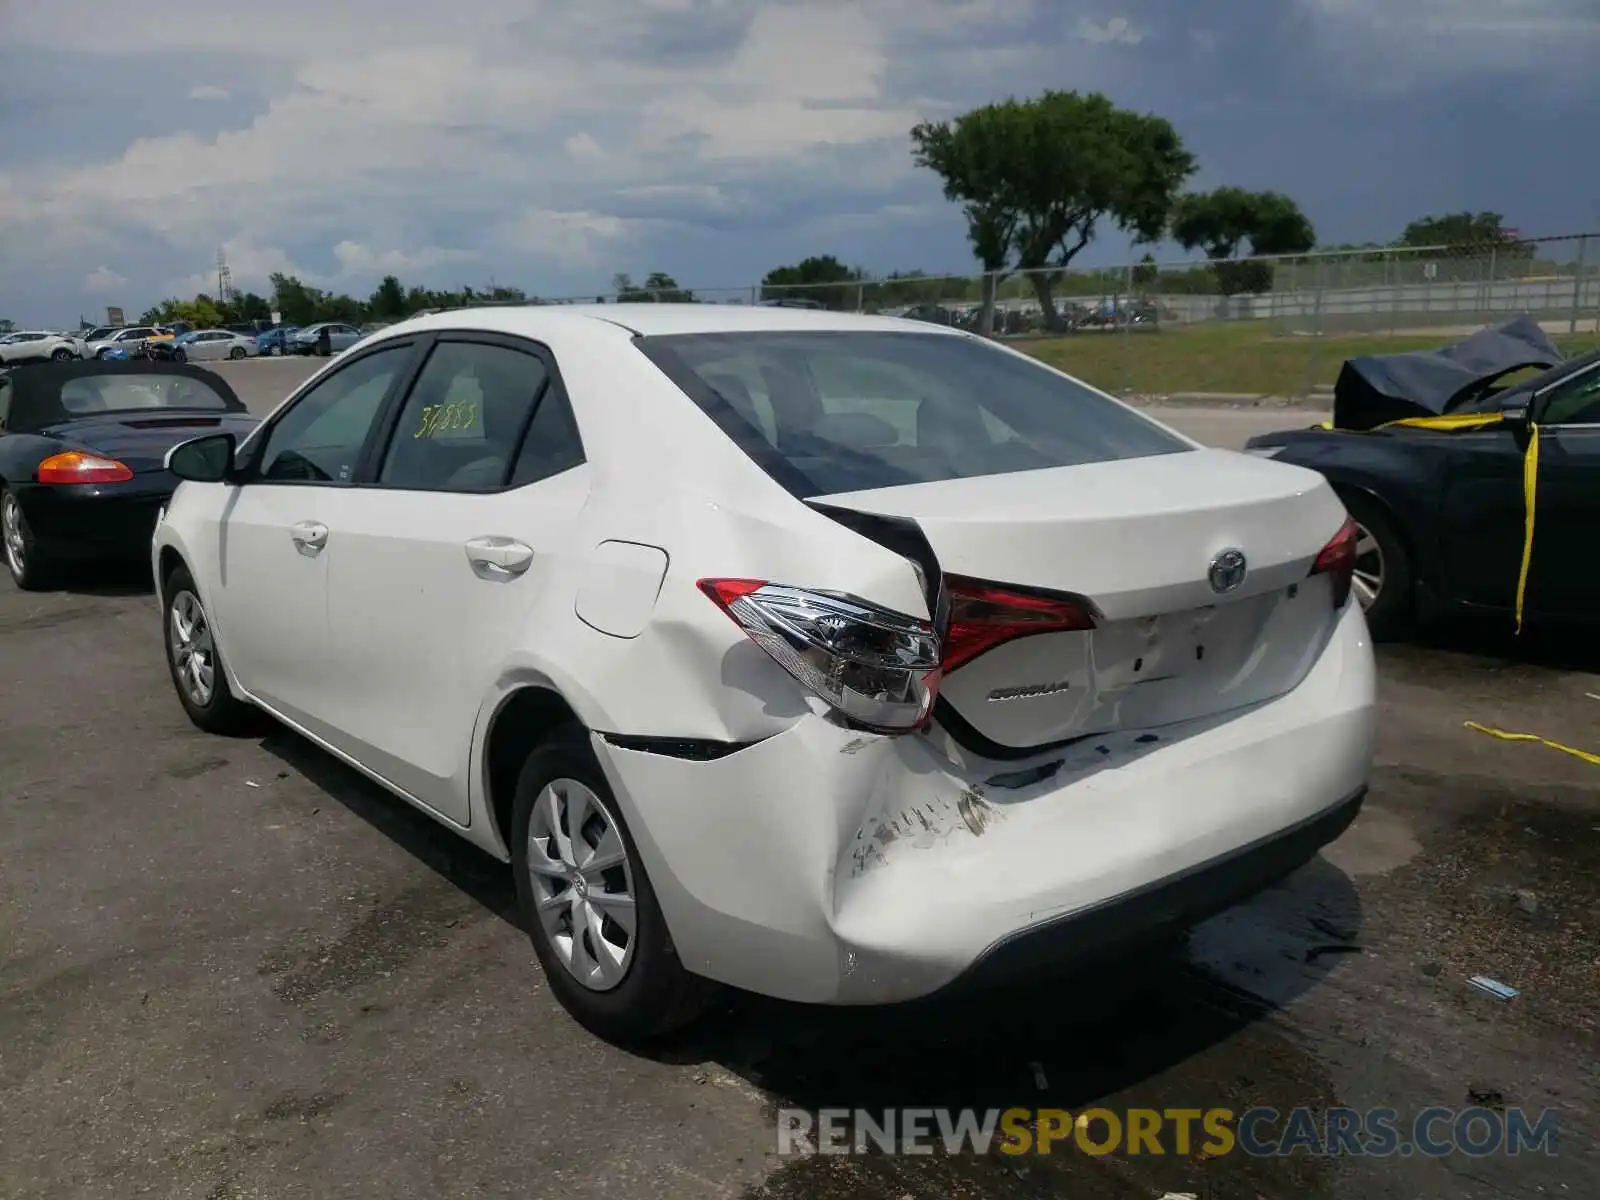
1255,327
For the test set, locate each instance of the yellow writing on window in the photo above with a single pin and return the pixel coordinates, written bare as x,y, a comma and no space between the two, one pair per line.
446,418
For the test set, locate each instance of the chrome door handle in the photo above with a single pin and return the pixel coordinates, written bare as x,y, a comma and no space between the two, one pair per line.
498,557
309,537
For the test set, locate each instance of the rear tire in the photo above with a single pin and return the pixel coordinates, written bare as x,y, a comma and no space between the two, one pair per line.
642,991
1382,555
63,355
30,570
236,353
194,661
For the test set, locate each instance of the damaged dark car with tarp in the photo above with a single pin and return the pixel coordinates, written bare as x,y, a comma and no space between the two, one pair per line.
1475,486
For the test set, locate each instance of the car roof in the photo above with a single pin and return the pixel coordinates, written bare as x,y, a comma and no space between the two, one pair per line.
657,320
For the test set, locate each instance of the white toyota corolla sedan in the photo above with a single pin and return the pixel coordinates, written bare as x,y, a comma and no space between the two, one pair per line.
837,658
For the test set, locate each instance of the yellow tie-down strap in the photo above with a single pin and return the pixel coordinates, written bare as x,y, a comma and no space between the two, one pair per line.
1507,736
1530,477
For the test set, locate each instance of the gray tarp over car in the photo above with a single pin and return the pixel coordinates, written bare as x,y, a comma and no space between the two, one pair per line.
1426,383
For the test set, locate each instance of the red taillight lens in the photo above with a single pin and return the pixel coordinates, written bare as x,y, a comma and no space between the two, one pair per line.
1338,560
986,615
877,667
77,467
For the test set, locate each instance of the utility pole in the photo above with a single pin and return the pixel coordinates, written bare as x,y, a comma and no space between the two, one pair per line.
224,277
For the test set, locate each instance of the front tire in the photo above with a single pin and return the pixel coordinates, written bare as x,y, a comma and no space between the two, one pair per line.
63,355
30,570
195,662
180,356
1385,581
587,903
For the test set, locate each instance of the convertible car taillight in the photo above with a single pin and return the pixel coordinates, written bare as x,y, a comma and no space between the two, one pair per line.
76,467
1338,560
877,667
986,615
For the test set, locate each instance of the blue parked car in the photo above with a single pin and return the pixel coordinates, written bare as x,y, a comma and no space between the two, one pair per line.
277,341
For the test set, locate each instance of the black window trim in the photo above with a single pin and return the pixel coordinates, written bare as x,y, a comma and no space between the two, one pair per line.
388,420
249,471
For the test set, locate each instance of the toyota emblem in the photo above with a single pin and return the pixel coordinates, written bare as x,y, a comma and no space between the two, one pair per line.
1227,571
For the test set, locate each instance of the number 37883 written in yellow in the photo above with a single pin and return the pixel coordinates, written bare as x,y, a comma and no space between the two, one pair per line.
443,418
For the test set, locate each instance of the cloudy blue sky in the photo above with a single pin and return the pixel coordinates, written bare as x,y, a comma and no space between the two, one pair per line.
551,145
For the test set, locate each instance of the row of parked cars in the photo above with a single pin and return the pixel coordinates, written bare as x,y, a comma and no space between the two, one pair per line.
177,342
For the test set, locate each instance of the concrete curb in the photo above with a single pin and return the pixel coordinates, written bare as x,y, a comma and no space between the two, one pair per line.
1316,402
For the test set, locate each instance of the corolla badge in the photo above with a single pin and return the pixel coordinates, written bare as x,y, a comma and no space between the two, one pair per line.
1227,571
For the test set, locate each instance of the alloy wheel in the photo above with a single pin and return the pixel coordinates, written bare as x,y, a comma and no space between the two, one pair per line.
1367,582
11,532
582,883
194,653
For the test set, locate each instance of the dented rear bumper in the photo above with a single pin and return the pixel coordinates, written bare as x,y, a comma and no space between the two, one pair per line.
831,866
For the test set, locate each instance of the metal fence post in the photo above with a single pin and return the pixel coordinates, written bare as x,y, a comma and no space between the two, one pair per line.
1489,296
1577,286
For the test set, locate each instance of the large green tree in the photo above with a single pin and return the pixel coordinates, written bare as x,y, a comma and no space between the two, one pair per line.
1231,220
388,300
822,278
1465,233
657,288
1040,176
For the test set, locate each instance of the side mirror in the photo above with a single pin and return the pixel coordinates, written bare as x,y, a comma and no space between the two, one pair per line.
203,460
1516,417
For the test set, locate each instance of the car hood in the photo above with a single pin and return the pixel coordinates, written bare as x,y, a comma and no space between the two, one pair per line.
142,439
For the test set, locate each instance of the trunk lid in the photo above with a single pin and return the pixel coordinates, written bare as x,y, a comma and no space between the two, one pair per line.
1136,538
141,439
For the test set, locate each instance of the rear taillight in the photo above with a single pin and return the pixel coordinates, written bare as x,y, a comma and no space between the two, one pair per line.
76,467
876,667
986,615
1338,561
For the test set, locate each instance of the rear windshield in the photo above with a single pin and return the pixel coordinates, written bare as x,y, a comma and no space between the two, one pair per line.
842,411
147,390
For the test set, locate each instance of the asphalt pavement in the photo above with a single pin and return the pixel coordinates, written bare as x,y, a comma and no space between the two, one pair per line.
232,968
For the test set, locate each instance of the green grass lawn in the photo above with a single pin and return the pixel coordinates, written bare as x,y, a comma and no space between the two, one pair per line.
1247,357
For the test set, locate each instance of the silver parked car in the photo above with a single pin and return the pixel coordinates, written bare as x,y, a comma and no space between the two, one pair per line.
208,345
126,339
339,337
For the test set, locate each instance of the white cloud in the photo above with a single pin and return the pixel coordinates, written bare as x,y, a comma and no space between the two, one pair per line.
102,280
583,146
207,91
1117,30
573,239
471,114
361,261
